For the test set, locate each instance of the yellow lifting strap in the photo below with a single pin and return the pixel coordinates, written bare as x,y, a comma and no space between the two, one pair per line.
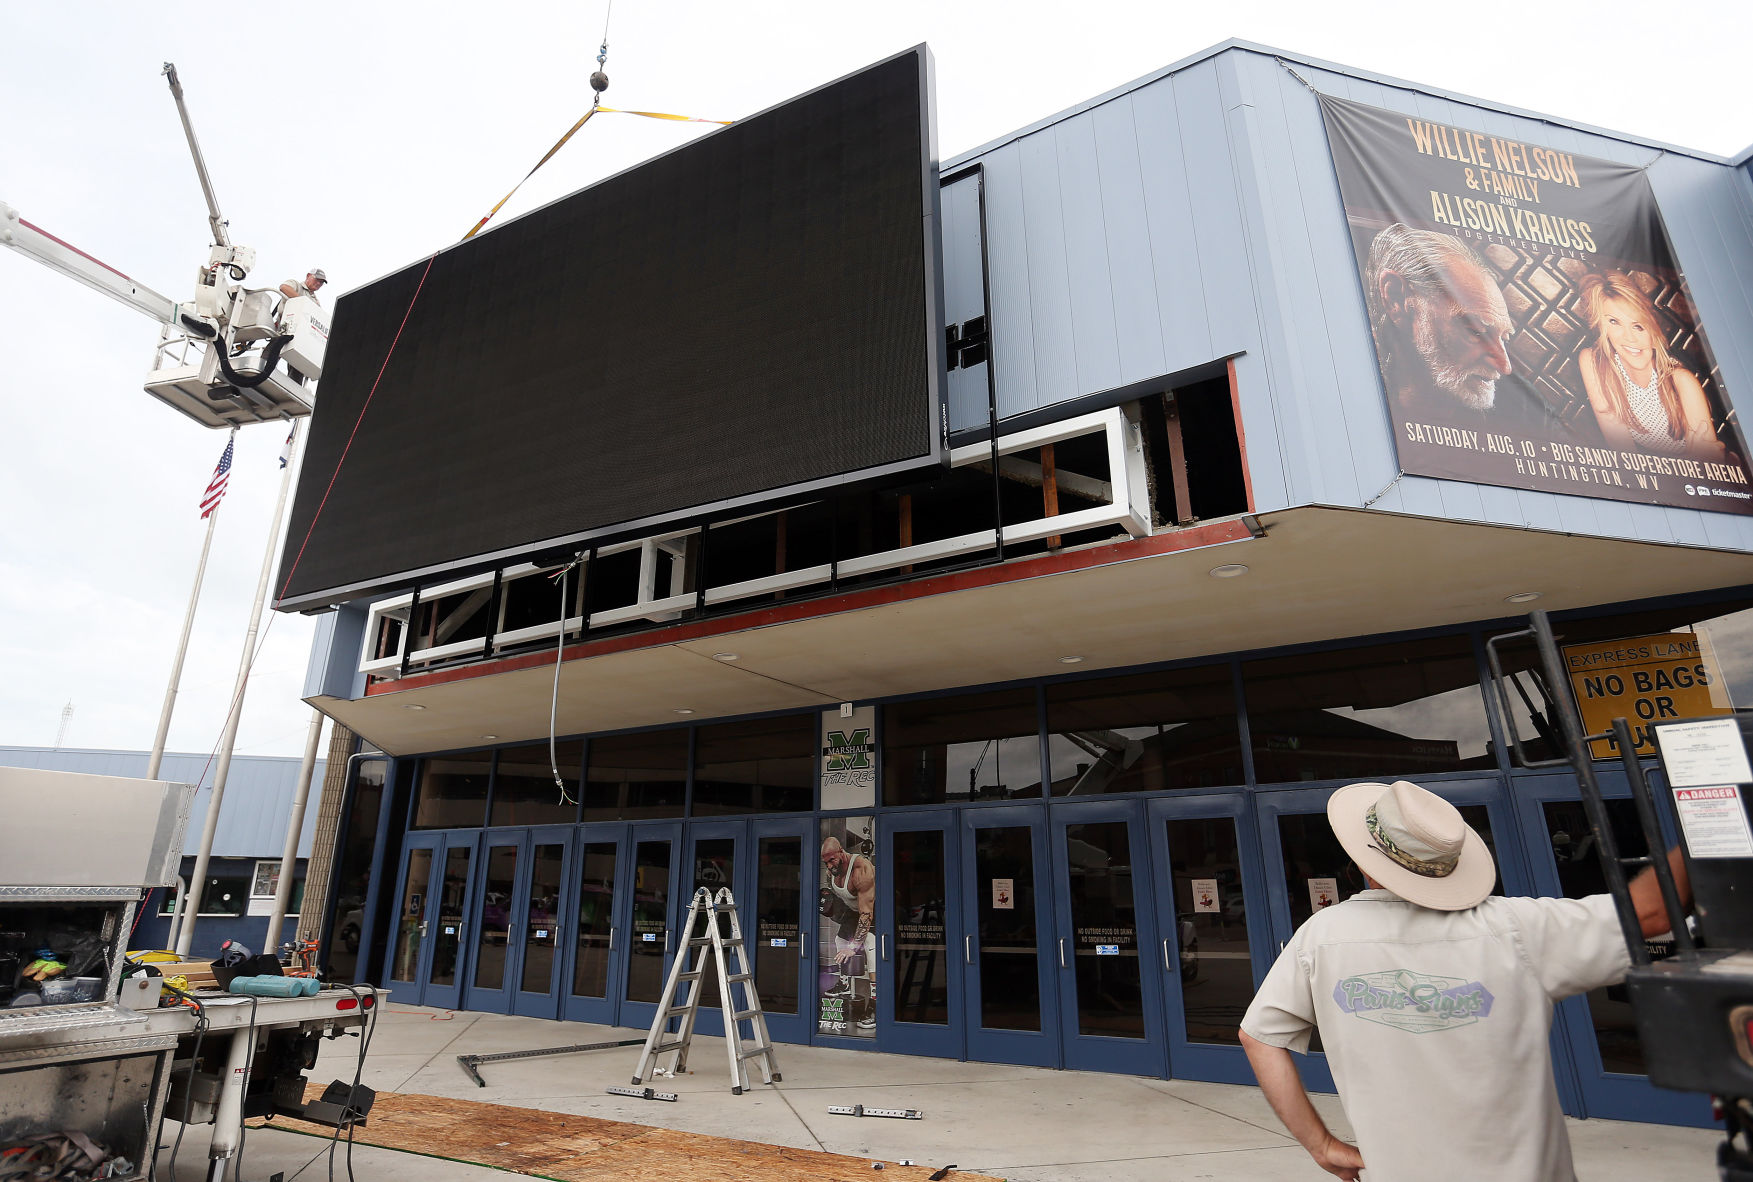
561,143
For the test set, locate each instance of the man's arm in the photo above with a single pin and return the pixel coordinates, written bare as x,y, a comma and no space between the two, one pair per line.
864,886
1646,894
1278,1077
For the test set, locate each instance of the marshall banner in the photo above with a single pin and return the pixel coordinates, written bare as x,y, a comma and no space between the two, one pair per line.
1532,326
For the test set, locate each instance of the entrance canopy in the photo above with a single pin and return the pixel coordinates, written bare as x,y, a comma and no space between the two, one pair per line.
1311,574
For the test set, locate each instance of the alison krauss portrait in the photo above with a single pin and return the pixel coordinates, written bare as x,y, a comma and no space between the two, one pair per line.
1643,397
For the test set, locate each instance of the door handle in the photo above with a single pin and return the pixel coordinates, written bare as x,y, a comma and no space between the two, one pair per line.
967,949
1167,967
883,946
802,946
1062,952
1281,945
611,937
425,926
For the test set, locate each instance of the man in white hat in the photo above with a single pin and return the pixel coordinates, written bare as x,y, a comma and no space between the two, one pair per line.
308,286
1434,999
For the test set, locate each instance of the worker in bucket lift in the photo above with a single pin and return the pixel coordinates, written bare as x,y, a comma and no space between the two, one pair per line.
308,286
852,879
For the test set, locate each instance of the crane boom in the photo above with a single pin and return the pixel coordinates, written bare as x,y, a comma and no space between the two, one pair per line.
69,260
220,236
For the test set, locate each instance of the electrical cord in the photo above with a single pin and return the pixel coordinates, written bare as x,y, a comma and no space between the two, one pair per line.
554,701
358,1072
201,1024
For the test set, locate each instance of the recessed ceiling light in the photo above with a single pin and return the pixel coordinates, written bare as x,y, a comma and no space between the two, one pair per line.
1230,570
683,710
489,737
724,656
1070,660
413,707
1522,597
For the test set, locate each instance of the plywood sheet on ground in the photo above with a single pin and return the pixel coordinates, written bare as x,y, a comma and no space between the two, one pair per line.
575,1148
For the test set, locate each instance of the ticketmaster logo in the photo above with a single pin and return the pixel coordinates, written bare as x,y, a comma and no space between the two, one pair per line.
1700,490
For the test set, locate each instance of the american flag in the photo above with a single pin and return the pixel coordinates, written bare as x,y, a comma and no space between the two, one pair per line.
221,480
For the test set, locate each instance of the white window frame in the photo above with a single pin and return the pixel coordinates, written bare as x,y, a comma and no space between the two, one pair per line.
1126,488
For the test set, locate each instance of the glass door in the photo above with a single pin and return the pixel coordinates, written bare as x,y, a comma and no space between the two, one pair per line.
409,947
1010,1007
444,977
1307,869
597,961
543,919
919,937
717,852
776,922
432,895
496,928
1208,883
1597,1030
1110,1007
649,902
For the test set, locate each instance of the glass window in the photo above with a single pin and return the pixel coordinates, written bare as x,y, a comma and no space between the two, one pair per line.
635,776
1712,673
267,882
921,950
228,889
970,747
1211,927
453,792
1134,734
524,792
763,766
353,874
1004,877
1573,849
1104,920
1382,711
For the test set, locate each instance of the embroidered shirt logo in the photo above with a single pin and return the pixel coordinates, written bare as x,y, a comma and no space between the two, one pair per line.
1415,1002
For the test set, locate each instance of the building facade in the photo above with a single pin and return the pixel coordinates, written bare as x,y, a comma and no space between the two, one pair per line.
1075,707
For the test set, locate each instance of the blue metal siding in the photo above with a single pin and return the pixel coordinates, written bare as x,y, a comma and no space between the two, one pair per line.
1197,216
258,793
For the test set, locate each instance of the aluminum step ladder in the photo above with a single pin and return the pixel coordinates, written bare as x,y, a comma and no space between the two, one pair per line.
691,966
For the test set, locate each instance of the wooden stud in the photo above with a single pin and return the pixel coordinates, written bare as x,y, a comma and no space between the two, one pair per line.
1050,492
1177,460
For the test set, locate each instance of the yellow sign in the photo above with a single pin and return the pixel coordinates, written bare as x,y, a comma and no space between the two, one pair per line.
1643,679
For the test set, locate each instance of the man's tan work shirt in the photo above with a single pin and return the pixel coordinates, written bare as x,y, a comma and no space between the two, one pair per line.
1436,1024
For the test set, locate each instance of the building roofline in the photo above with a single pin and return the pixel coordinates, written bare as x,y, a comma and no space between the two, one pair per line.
138,753
1236,43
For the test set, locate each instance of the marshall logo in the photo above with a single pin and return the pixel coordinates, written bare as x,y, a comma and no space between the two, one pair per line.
847,753
1417,1003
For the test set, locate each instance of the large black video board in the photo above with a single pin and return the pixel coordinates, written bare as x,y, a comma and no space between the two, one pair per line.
748,319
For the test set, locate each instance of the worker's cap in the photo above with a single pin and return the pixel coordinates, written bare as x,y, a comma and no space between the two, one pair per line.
318,274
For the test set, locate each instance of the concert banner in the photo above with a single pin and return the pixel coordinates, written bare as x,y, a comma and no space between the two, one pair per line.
846,949
1532,327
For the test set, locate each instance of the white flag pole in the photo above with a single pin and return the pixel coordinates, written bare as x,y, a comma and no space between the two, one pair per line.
228,741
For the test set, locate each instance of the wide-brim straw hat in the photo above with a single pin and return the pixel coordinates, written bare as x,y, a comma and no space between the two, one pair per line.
1414,843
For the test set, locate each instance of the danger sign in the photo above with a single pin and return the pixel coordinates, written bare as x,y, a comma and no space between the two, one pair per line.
1643,679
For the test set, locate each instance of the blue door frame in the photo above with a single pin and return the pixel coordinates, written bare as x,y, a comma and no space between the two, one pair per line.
1002,950
598,918
546,923
501,876
1586,1086
1239,900
1106,933
781,929
652,905
440,917
1486,791
921,948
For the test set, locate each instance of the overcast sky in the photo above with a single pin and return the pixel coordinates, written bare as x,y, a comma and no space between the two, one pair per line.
361,136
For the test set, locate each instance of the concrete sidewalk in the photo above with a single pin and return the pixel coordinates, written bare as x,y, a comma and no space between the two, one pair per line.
1022,1123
